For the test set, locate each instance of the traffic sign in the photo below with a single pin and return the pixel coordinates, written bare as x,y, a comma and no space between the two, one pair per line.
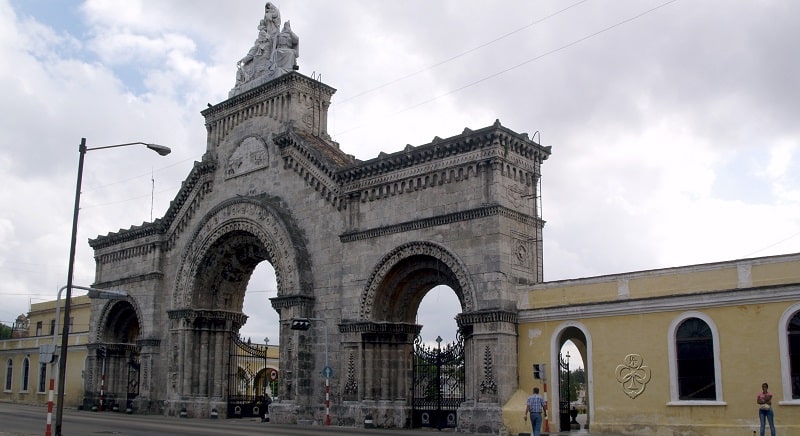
327,372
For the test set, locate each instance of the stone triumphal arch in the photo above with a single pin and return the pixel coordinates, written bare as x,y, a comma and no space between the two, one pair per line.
355,246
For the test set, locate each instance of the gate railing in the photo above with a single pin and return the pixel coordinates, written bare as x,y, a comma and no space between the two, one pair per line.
437,384
247,378
564,391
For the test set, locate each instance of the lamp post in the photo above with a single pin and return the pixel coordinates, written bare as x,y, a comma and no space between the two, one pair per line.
62,362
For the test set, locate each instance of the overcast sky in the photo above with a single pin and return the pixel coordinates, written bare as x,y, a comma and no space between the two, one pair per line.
673,124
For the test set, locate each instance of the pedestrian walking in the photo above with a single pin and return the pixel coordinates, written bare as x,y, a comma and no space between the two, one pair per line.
536,408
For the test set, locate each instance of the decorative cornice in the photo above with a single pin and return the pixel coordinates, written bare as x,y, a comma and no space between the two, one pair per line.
127,253
207,314
682,302
112,347
148,342
272,87
466,215
351,326
485,316
315,160
279,303
155,275
493,136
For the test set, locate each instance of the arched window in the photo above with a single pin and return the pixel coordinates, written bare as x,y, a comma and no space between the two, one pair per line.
26,372
42,377
789,330
793,341
694,351
694,365
9,373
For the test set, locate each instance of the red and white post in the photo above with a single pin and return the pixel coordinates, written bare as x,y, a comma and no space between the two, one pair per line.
102,377
546,406
49,430
102,390
327,401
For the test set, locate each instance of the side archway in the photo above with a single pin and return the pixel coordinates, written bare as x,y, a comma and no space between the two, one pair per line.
579,334
402,278
113,363
378,346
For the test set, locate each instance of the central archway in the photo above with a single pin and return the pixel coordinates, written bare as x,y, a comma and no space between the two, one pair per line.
209,295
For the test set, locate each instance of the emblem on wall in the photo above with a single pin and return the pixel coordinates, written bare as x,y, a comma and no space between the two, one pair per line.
633,375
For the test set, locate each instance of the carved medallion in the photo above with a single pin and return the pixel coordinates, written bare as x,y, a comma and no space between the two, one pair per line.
633,375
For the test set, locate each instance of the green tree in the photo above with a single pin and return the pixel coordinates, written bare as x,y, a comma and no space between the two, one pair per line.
5,331
578,376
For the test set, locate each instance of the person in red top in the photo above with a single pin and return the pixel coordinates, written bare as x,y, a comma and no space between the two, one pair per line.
765,412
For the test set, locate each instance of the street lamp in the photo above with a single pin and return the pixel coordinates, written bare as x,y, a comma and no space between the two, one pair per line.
62,362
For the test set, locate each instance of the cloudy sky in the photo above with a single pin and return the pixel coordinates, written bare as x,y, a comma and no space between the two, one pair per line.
673,123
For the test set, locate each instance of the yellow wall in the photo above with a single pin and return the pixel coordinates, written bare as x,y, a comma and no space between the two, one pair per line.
639,323
28,347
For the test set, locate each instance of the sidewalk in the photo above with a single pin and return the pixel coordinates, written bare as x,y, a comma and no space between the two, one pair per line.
554,432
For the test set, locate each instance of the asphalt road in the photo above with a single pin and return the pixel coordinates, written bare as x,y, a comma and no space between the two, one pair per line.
22,420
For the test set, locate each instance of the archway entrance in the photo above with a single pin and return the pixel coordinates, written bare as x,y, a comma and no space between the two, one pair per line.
252,383
247,378
438,362
217,369
409,382
572,388
117,359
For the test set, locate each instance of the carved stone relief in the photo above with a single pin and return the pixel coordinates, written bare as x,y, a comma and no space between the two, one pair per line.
633,375
250,155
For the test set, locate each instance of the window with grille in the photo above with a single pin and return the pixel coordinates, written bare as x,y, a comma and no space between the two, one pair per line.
694,346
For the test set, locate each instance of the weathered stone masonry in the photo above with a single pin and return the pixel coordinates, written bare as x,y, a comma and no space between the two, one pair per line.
354,243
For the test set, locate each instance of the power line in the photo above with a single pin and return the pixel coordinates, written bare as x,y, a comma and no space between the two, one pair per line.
464,53
772,245
535,58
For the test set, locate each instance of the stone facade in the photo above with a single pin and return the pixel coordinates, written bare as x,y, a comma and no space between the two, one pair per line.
355,246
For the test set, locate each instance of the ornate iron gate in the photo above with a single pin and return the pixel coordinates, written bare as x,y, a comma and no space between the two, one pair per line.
247,378
437,384
564,389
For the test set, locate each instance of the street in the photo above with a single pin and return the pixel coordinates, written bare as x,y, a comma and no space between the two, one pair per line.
23,420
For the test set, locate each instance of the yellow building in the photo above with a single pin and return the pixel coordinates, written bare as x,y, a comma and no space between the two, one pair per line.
671,351
25,377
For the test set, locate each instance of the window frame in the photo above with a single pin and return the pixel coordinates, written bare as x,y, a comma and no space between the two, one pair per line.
9,382
783,346
673,361
26,374
42,386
